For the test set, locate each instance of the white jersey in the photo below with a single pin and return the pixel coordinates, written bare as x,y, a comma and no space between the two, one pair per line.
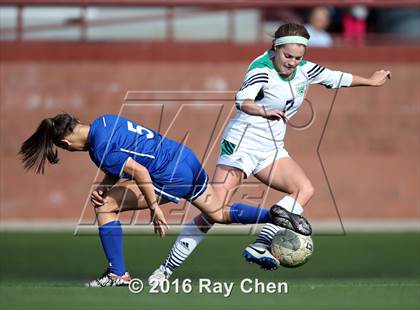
267,88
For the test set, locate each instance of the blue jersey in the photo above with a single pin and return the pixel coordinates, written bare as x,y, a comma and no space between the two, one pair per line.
175,171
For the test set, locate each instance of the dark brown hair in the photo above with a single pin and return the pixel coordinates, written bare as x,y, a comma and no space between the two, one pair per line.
291,29
41,145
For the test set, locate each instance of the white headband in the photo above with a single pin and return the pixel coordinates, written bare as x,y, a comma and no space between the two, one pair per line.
291,39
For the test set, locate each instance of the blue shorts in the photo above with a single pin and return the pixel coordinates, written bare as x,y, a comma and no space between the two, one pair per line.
183,178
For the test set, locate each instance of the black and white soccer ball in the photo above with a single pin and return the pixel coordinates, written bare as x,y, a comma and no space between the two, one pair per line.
291,249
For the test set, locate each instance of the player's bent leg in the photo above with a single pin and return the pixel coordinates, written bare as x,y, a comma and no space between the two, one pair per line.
122,197
239,213
245,214
211,206
287,176
283,175
225,182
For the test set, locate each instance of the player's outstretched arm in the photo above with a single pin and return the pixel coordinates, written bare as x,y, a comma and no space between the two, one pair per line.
378,78
143,180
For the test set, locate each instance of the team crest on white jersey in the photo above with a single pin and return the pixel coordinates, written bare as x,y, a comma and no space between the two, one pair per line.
300,89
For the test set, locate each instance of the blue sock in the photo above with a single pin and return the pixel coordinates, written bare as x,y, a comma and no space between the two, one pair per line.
246,214
112,241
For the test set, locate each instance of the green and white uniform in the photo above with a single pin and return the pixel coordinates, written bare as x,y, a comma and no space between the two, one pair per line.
252,143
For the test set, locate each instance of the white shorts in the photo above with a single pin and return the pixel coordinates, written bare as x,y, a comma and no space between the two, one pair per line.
250,161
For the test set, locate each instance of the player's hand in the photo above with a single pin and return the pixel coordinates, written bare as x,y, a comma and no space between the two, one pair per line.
98,197
158,220
379,77
274,115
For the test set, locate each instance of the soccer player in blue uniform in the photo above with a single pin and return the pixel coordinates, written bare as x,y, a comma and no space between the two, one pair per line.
142,170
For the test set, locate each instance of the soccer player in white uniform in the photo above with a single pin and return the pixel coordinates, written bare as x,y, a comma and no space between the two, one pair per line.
273,90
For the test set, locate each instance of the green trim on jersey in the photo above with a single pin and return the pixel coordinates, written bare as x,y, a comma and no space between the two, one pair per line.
302,63
227,148
264,61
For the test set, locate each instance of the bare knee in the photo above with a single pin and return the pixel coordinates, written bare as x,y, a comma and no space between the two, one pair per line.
110,206
218,217
306,190
303,192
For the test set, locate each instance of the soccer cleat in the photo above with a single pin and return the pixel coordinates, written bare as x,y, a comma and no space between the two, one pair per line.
159,275
260,254
110,279
283,218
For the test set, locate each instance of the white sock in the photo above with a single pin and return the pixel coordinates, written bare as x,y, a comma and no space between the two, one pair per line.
291,205
184,245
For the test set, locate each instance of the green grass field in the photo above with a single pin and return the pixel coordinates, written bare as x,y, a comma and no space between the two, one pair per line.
359,271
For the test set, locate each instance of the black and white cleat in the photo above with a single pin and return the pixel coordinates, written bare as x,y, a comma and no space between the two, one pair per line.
283,218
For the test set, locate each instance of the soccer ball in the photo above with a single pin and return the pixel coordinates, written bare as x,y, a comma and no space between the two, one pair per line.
291,249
